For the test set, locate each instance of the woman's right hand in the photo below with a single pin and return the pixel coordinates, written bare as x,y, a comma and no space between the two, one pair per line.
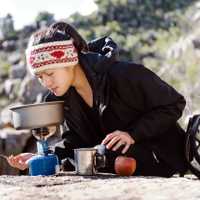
20,161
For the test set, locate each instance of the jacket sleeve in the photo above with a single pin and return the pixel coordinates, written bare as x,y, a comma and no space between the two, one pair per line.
159,104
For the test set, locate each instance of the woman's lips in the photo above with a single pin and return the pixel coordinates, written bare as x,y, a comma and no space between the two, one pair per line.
54,89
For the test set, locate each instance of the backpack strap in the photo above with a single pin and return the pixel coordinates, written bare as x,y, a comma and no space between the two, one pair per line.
192,144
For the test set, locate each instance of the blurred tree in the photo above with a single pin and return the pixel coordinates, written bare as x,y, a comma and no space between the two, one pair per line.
136,25
44,18
7,30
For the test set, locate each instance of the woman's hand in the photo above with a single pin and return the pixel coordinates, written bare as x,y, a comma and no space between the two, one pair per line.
116,139
20,161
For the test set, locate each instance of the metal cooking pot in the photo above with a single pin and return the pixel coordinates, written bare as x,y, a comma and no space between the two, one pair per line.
38,115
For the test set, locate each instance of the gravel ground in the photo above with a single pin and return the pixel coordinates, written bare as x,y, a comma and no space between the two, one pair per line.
68,186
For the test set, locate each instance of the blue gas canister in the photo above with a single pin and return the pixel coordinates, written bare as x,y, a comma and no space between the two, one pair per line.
44,163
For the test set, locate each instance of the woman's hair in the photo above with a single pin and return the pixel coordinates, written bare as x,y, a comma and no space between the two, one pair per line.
59,31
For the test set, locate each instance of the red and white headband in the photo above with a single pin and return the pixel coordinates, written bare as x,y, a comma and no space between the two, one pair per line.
51,55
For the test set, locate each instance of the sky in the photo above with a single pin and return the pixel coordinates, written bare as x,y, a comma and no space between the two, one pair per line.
25,11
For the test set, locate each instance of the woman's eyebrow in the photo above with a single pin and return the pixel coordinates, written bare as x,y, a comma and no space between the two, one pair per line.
38,75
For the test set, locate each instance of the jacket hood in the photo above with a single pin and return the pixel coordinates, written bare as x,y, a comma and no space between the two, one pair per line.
102,53
96,62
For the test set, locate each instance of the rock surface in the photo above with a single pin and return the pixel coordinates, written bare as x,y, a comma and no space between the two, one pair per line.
103,186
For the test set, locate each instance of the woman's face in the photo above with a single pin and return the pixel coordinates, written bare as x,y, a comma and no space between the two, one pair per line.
57,80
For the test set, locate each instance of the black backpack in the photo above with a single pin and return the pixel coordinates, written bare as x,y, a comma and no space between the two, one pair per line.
192,146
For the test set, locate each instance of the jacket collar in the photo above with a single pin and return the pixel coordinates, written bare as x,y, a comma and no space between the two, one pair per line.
96,68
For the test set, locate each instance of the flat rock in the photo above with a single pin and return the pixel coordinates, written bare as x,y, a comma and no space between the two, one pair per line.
70,186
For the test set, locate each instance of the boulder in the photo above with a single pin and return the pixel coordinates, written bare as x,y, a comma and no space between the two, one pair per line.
31,90
101,186
18,71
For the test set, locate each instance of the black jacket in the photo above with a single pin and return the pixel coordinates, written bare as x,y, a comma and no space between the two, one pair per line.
126,97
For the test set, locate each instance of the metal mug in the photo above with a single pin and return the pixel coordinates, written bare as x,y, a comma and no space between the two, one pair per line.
87,161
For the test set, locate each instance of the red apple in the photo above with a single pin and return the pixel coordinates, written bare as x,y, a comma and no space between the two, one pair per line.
125,166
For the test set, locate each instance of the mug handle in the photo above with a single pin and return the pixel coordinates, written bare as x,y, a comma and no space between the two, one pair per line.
99,161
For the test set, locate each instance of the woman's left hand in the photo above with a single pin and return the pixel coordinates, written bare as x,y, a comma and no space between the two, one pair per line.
116,139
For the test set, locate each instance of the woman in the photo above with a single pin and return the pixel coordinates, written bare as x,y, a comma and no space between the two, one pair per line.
120,104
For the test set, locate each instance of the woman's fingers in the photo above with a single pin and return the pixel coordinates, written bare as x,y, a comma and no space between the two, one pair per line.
125,149
108,138
17,162
119,144
118,138
20,158
112,142
11,161
22,166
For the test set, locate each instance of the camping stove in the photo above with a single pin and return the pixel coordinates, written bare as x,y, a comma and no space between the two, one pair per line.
38,118
44,163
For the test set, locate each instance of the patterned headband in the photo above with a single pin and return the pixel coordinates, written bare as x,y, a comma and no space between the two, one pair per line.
51,55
